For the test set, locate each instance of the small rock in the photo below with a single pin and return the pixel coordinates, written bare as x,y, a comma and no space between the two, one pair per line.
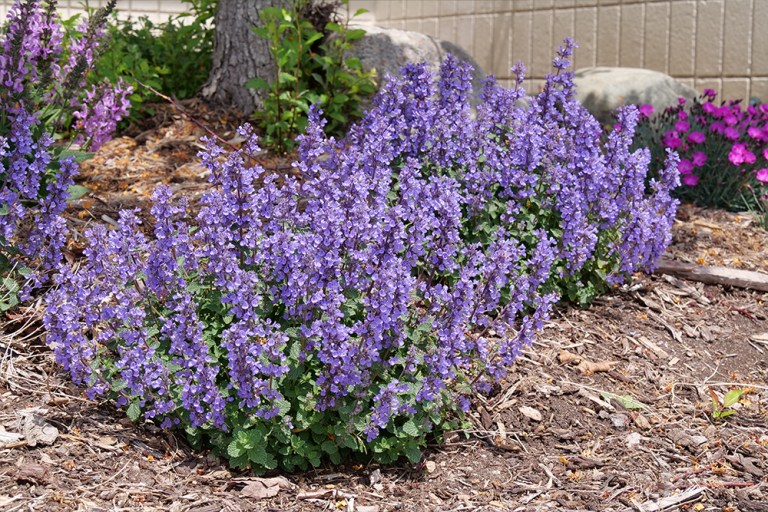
642,422
431,466
711,431
699,439
619,421
375,477
378,487
367,508
37,430
530,412
634,439
463,497
604,415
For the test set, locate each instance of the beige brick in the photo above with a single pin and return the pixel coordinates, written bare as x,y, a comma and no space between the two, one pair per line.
609,2
736,37
483,41
759,89
429,27
709,38
716,84
396,9
760,39
430,8
447,30
524,5
565,3
564,26
656,39
173,7
687,81
483,6
522,38
631,45
542,50
500,58
413,25
465,6
379,9
398,24
447,7
586,3
735,89
608,36
145,6
585,55
413,9
681,38
540,4
534,86
465,33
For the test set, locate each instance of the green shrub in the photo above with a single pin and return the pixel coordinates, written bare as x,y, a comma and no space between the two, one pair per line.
310,69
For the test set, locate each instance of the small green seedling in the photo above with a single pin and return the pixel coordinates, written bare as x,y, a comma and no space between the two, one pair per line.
730,398
627,401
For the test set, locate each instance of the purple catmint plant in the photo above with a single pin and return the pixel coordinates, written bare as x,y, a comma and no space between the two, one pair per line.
356,300
36,93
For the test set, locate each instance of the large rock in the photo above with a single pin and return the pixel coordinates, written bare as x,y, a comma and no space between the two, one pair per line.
601,90
389,49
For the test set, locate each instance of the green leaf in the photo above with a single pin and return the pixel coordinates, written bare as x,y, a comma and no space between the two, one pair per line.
133,411
261,32
355,34
624,400
5,209
732,397
360,11
80,156
412,451
411,429
257,83
329,447
235,450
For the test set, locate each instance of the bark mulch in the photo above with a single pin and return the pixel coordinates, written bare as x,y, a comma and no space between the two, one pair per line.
609,410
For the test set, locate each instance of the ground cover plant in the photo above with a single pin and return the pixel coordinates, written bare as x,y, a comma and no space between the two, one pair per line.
40,91
723,150
355,307
310,68
173,57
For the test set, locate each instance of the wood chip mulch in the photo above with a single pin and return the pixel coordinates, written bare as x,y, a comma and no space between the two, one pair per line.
609,410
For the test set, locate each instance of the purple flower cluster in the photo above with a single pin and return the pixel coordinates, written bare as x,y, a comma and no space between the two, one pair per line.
381,265
34,95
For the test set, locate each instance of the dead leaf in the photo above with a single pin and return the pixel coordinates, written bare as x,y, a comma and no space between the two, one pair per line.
642,422
37,430
567,357
530,412
589,367
260,488
107,440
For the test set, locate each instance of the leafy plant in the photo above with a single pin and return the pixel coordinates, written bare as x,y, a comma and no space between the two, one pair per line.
41,91
719,410
173,57
724,150
347,310
308,71
627,401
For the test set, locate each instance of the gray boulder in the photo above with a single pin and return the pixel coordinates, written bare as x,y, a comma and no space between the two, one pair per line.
601,90
388,49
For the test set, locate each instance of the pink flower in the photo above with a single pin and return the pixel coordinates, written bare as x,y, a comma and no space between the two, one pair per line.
695,138
723,111
685,166
762,175
682,115
682,126
681,100
709,108
717,127
699,159
749,157
765,153
672,139
646,110
710,93
731,133
730,119
764,108
691,180
755,132
740,154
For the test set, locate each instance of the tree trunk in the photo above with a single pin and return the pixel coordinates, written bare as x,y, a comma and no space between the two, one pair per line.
239,55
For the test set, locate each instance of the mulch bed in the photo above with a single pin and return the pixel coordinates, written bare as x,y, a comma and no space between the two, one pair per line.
555,435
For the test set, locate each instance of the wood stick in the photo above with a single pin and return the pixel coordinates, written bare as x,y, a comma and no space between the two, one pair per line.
715,275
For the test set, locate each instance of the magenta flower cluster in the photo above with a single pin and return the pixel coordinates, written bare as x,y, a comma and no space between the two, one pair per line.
379,269
35,93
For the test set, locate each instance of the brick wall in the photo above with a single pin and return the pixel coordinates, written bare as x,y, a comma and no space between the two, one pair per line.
716,44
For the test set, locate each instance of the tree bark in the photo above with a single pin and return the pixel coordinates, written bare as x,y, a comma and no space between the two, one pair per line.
239,55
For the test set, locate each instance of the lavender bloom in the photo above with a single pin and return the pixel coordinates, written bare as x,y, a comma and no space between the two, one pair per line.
374,272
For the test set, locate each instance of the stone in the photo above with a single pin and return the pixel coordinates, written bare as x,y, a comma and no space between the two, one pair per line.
603,89
388,49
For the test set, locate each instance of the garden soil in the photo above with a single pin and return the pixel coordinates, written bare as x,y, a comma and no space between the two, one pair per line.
609,410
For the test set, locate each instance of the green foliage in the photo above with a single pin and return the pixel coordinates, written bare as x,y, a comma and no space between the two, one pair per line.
173,57
719,410
310,68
